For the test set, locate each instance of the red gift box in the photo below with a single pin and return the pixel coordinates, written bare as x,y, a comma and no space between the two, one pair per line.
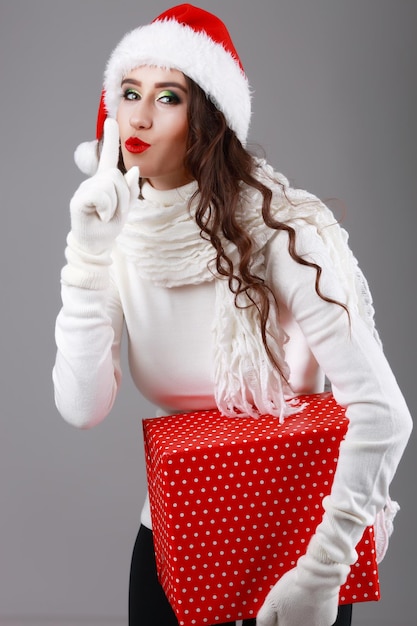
234,502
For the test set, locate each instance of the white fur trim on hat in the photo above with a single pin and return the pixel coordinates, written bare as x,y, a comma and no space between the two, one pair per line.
168,43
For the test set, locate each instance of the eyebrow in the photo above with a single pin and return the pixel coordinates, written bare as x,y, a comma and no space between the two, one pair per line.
156,85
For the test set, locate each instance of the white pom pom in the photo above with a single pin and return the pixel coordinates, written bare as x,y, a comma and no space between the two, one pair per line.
85,157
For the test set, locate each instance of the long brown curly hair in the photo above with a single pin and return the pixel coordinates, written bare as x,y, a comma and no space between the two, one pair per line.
220,164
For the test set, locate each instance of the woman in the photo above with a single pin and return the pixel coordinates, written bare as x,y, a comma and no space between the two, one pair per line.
237,292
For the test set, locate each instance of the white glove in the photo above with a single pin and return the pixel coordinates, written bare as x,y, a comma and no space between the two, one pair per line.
307,594
100,205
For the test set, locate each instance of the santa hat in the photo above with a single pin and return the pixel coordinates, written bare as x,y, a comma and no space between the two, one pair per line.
188,39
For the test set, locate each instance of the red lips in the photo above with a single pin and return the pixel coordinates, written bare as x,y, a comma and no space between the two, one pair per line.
136,145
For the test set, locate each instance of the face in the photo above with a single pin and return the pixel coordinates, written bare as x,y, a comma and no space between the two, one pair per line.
153,124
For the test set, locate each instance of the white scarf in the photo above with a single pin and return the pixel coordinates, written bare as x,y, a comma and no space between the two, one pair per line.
163,239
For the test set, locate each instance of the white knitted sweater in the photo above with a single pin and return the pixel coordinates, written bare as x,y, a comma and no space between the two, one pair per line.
172,357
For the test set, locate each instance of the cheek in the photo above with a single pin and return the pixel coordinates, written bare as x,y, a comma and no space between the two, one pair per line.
176,125
123,117
181,135
120,120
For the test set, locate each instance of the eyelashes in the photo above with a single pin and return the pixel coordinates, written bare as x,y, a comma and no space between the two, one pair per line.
131,94
165,97
169,97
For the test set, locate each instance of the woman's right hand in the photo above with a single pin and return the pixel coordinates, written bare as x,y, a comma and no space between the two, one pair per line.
101,203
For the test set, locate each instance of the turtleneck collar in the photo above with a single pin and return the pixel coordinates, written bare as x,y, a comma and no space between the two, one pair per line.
167,197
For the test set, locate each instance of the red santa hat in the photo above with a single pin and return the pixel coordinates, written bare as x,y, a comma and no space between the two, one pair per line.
188,39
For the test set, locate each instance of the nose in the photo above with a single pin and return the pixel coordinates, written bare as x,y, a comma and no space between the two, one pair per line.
141,116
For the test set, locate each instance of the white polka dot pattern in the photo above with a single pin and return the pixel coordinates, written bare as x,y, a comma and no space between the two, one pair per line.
234,502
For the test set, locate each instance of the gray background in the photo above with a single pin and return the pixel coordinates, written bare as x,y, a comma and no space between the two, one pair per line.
334,108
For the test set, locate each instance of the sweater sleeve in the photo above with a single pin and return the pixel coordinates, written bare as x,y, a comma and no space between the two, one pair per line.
87,373
362,381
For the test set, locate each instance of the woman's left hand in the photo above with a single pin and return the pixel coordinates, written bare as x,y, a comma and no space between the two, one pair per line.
307,594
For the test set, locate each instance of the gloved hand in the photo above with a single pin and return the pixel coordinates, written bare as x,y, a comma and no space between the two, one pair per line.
307,594
101,203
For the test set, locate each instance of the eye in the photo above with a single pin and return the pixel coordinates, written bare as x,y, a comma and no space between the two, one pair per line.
168,97
131,94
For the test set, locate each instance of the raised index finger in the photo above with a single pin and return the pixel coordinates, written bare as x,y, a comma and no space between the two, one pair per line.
109,156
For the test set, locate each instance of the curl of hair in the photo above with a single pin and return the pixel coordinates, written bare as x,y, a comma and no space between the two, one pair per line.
219,163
